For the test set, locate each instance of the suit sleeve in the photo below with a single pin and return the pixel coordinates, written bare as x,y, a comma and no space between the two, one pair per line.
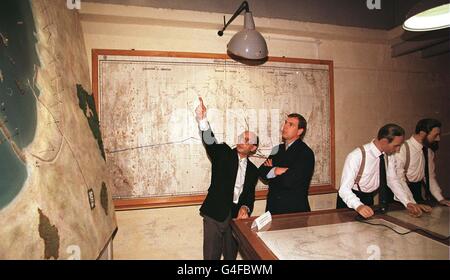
213,149
264,170
300,173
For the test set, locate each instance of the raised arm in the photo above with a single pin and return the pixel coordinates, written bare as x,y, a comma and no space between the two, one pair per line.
208,139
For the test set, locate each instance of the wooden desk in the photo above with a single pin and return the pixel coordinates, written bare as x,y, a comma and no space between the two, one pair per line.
253,247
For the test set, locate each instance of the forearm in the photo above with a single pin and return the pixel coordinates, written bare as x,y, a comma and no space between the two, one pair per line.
271,173
401,191
248,200
203,125
349,198
298,175
210,142
263,171
434,186
435,189
206,132
395,183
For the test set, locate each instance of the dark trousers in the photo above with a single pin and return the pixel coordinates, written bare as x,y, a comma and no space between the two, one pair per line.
389,195
366,199
218,239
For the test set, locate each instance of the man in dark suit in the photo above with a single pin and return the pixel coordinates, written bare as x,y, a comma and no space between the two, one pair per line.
232,190
289,170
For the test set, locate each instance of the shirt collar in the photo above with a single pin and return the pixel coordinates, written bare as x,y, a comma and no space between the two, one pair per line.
374,149
290,144
242,160
415,143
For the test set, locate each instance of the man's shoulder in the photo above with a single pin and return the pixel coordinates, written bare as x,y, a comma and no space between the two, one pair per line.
357,153
226,149
276,149
303,147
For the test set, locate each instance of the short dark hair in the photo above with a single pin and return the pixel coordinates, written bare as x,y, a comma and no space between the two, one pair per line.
390,131
301,122
426,125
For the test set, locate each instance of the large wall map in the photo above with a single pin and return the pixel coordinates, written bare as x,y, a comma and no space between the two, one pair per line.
55,201
147,119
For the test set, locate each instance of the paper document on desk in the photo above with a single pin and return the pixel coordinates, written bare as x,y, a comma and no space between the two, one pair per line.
262,221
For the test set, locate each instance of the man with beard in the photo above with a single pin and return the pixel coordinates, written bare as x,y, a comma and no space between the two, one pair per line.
416,161
289,170
370,169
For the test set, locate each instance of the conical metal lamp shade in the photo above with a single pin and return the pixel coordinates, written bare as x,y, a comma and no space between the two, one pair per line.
428,15
248,43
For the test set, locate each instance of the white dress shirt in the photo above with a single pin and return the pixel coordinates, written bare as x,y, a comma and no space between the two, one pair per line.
240,177
370,179
416,169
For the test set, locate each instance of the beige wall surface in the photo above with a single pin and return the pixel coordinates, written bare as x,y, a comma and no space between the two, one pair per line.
371,89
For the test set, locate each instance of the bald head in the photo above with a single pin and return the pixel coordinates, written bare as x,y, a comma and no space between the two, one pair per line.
248,137
247,143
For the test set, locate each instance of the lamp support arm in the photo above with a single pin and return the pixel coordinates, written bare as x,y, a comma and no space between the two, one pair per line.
244,6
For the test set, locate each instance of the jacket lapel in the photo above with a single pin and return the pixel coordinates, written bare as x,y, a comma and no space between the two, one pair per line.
235,164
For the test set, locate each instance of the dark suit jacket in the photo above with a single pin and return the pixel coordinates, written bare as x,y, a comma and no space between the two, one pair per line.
219,201
288,192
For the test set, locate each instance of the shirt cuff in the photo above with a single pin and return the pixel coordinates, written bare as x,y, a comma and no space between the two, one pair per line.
271,174
246,208
203,124
406,201
409,199
438,196
356,205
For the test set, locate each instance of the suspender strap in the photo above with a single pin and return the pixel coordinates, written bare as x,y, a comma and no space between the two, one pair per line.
361,168
407,160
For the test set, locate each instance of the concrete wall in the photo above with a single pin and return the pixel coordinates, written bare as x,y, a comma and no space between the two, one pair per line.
371,89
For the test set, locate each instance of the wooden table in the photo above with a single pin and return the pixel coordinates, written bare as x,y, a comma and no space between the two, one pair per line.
253,247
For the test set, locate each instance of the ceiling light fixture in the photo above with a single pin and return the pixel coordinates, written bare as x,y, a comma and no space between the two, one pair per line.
248,45
428,15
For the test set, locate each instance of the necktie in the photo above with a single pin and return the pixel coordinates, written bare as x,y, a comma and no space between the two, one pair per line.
427,174
383,185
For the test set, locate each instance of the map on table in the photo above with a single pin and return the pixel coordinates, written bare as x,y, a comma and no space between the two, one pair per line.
353,241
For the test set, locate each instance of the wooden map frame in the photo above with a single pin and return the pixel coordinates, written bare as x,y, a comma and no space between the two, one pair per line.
155,202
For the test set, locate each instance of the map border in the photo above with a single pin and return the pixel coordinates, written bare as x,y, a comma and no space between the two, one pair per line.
184,200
